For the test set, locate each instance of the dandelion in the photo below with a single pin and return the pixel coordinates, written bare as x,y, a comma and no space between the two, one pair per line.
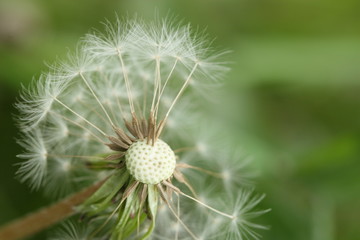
121,114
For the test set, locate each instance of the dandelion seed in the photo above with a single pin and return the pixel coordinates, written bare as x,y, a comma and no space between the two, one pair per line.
242,227
72,231
116,110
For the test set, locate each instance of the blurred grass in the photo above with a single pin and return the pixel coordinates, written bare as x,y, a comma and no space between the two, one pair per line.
293,96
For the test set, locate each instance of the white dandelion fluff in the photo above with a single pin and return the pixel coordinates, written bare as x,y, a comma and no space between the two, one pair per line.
35,168
243,208
124,109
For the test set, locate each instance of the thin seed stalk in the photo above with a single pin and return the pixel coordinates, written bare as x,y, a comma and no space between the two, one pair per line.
45,217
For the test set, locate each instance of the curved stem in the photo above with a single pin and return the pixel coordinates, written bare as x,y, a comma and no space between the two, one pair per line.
44,218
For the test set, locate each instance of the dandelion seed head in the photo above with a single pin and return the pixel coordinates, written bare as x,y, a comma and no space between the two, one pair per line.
150,164
115,110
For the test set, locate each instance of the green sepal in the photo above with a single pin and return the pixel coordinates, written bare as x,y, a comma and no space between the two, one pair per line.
124,219
131,203
100,200
100,165
153,199
131,226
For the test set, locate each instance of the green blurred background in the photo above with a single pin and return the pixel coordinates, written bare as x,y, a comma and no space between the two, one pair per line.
293,91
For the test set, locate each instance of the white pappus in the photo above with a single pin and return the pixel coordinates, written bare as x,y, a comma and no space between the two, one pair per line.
124,108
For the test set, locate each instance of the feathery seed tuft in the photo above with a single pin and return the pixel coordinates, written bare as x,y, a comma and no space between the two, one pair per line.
115,110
